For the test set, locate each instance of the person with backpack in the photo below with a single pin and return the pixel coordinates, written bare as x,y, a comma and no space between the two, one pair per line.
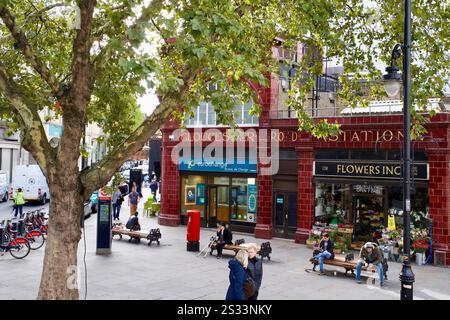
117,200
19,201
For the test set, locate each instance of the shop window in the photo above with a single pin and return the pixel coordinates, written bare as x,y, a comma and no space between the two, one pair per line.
221,180
193,194
367,155
332,202
223,203
331,154
365,207
397,155
239,200
287,154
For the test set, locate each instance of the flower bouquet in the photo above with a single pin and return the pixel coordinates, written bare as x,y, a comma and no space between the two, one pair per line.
420,246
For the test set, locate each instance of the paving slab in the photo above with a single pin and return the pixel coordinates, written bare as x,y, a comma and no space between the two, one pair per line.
168,271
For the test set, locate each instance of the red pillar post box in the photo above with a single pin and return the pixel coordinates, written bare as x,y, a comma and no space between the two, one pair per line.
193,230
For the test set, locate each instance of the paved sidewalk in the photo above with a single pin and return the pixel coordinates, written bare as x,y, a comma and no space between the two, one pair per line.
168,271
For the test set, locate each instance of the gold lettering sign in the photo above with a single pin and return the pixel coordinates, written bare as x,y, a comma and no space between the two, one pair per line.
349,135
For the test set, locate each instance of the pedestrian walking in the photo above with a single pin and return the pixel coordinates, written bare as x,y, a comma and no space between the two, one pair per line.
117,200
133,201
237,276
254,269
19,201
154,187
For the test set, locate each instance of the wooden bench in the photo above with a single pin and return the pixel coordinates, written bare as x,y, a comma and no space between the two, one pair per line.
153,235
348,265
264,251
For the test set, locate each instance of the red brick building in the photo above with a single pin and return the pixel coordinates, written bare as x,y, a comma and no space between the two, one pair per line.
354,177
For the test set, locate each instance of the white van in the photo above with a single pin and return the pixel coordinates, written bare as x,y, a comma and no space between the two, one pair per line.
4,186
33,183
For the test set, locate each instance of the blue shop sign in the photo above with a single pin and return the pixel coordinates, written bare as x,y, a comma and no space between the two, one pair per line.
215,166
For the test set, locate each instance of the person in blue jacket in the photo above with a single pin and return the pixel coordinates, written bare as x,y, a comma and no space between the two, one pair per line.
238,276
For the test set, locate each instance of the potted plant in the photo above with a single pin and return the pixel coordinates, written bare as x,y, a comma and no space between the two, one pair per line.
419,247
314,238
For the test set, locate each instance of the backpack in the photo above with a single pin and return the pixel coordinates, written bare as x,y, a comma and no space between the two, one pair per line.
132,224
249,288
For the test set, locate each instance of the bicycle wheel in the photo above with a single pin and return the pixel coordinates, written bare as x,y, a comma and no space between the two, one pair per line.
35,238
44,230
19,248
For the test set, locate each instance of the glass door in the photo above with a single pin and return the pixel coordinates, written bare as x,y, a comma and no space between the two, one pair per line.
212,207
285,214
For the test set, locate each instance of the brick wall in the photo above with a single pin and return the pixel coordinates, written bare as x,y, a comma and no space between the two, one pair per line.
305,193
170,190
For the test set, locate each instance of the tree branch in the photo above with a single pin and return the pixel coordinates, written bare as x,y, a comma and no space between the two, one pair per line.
23,45
81,66
34,138
100,174
102,58
74,104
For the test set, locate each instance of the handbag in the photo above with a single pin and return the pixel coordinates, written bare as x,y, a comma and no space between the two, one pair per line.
249,288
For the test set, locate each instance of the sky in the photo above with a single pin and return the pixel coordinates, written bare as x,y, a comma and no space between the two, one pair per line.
148,102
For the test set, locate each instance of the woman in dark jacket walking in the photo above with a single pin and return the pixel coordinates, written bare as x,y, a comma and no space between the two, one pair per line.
238,276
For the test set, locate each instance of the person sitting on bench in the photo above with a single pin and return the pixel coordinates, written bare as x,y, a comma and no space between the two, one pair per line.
133,223
224,237
326,251
369,255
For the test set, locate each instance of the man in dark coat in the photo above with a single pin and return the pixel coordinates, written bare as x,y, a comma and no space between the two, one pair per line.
224,237
326,251
227,234
254,269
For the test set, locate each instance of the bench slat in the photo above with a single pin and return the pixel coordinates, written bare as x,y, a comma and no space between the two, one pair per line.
340,262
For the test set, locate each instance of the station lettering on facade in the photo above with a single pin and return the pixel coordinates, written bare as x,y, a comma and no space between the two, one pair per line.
347,136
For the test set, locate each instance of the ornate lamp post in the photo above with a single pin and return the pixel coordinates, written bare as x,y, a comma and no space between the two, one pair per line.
392,84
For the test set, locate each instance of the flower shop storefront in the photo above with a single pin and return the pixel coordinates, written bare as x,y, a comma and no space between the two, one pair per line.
365,195
350,184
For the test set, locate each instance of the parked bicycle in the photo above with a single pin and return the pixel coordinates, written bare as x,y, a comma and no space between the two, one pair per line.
18,247
20,229
37,220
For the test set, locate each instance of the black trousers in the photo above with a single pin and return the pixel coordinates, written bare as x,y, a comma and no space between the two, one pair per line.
219,247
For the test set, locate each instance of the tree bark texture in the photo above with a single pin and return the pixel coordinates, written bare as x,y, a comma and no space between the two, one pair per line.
60,273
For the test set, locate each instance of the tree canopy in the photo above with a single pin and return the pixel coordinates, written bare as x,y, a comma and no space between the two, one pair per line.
137,45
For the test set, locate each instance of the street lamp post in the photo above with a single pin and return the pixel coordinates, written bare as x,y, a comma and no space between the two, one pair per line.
392,86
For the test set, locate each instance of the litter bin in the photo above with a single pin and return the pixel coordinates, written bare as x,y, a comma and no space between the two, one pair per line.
193,230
